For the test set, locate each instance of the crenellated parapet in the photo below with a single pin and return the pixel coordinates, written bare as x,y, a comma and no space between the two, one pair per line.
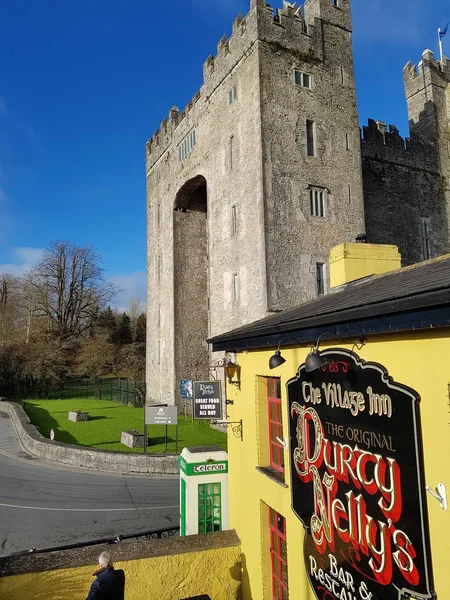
427,71
385,144
293,27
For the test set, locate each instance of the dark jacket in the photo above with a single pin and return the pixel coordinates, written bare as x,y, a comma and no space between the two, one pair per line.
109,585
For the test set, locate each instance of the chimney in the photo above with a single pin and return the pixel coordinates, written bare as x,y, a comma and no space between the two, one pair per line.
349,262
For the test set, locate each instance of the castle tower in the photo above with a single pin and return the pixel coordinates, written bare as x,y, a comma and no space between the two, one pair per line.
252,184
427,89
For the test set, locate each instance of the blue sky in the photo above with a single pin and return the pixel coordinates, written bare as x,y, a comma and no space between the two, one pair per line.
84,84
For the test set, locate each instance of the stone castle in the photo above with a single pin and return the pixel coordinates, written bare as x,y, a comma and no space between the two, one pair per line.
265,170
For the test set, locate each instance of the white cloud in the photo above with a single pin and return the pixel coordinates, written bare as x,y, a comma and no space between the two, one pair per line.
133,285
2,106
22,259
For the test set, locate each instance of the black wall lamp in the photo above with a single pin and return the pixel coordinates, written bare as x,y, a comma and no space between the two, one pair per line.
276,360
314,360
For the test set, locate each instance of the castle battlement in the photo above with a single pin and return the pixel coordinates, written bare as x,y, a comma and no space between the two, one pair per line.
286,27
427,71
379,142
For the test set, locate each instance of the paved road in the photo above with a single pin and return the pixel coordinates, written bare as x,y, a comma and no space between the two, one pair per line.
44,505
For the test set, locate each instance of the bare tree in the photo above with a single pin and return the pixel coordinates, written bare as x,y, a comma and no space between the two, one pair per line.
67,287
134,310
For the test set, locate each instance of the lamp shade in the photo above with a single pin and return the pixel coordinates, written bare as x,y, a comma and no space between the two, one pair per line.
276,360
314,361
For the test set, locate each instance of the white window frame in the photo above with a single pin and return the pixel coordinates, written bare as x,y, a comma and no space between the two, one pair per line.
301,77
317,201
186,145
232,95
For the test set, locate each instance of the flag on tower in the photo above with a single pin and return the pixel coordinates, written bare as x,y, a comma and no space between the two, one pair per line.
443,32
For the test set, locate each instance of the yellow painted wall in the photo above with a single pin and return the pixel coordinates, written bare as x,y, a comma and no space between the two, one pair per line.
215,572
408,358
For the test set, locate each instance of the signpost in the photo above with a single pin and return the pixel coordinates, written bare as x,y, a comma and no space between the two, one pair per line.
160,415
358,481
207,400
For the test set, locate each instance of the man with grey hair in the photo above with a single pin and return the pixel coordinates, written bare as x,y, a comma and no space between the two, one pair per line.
110,582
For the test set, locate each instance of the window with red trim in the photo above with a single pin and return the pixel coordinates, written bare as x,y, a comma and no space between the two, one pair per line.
278,556
275,423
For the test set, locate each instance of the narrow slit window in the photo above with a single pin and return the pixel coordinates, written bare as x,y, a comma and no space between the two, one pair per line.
342,75
233,220
231,152
320,279
234,287
425,230
347,141
310,138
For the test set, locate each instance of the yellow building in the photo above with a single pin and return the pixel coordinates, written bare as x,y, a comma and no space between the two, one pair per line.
328,485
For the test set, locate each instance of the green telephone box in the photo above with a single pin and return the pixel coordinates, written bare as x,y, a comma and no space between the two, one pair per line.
203,490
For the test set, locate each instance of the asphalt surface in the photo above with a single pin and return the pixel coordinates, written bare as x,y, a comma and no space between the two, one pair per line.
44,505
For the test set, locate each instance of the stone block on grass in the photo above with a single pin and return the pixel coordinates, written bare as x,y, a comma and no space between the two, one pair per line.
132,439
78,415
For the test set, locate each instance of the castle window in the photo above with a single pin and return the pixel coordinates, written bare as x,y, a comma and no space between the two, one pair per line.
232,95
303,79
310,138
230,151
186,145
320,279
342,75
347,141
335,3
233,220
425,231
234,287
317,198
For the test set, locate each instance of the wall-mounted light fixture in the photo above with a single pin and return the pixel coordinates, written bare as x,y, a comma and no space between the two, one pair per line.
314,360
231,368
276,360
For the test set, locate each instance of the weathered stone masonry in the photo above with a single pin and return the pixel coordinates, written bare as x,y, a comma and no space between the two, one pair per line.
250,164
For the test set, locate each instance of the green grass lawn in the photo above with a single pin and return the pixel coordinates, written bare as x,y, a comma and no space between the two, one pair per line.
109,419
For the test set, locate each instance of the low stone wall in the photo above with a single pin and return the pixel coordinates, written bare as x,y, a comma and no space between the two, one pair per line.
170,569
80,456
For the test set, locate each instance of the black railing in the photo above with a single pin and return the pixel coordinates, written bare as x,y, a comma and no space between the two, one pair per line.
154,534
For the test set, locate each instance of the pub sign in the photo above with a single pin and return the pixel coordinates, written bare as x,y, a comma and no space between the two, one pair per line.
207,400
358,482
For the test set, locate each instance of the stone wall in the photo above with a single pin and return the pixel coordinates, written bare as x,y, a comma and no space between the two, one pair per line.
169,569
402,185
116,462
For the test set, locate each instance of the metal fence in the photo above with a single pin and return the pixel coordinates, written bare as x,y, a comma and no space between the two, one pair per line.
114,389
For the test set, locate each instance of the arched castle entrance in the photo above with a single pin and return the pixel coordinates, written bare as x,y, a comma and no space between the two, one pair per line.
191,280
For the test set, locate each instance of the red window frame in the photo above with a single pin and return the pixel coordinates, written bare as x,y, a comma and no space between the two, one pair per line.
276,450
278,555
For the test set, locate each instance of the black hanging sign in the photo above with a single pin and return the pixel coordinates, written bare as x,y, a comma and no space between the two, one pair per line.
358,482
207,400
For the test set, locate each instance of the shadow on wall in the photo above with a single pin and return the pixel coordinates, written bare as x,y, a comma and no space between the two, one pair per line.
246,591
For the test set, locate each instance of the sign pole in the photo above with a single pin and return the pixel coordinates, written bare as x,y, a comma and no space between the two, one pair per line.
176,442
145,435
166,438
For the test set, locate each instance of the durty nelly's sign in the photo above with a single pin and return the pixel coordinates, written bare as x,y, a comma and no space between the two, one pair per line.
357,481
